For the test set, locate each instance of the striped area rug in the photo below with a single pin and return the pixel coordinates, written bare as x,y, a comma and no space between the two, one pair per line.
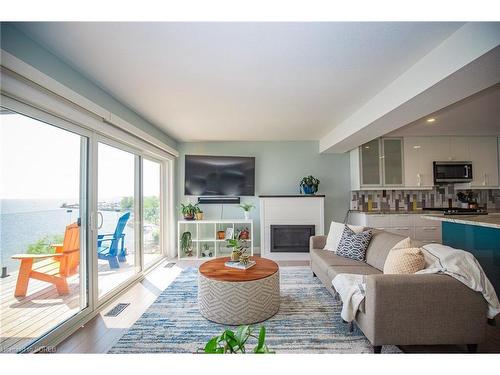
308,320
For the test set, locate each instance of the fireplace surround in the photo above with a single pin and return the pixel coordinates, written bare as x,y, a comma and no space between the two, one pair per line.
287,222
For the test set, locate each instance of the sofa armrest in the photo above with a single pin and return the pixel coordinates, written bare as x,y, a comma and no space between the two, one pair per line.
422,309
317,242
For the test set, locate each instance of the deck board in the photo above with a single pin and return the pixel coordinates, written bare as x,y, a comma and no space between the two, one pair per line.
23,319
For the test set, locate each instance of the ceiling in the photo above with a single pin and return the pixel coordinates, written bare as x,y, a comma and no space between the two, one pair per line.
241,81
476,115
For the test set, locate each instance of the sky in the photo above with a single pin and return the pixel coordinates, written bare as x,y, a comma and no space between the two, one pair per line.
41,161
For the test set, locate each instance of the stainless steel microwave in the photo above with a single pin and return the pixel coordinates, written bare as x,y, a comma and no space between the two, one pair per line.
452,171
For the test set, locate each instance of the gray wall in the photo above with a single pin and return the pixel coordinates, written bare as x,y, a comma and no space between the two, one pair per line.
279,167
24,48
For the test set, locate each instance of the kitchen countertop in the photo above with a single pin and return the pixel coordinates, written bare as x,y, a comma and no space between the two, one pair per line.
416,212
492,220
393,212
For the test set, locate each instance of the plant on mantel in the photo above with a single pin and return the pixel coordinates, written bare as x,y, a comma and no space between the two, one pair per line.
230,342
309,185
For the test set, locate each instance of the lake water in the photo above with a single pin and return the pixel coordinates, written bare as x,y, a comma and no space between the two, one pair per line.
25,221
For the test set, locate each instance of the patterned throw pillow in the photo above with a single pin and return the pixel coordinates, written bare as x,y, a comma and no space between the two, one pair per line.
353,245
404,261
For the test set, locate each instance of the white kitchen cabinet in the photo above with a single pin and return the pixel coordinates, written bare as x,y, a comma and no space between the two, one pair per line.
421,152
484,156
459,149
408,225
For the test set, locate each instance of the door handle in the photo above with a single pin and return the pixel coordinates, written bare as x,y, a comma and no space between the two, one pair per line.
99,214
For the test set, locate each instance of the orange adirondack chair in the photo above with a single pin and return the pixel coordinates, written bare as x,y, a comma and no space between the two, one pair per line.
60,265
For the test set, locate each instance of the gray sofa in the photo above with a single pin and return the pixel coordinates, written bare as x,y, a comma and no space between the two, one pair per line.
411,309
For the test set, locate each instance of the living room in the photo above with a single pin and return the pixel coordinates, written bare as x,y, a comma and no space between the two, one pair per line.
278,186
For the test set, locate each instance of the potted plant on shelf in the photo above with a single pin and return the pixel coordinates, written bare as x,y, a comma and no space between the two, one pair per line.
309,185
187,244
198,212
244,234
189,210
246,209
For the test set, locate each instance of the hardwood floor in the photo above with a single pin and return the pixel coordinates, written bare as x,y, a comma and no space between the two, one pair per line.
101,333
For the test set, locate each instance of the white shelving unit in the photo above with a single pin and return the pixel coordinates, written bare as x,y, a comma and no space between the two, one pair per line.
204,236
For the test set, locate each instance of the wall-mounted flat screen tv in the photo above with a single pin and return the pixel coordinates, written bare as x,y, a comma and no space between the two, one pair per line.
219,175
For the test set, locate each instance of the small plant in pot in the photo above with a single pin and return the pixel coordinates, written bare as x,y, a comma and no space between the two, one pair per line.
244,234
189,210
309,185
247,207
198,212
238,248
187,244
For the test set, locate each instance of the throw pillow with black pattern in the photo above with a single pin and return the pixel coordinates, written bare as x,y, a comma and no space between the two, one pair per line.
353,245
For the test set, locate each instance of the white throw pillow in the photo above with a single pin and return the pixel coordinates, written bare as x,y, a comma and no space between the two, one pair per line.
335,233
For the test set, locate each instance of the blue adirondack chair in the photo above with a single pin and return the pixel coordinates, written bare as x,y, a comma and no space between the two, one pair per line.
111,247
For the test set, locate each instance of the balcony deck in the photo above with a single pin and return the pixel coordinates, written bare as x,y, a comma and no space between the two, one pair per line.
22,320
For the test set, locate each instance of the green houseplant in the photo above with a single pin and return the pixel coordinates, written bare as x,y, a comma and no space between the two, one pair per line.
237,246
246,209
189,210
187,243
309,185
198,213
230,342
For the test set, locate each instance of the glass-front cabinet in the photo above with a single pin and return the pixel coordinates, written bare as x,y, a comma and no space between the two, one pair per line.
392,161
370,163
381,163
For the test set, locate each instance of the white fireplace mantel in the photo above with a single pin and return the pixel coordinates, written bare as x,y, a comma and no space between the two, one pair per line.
289,210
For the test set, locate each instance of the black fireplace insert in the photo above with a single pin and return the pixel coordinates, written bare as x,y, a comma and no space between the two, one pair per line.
291,238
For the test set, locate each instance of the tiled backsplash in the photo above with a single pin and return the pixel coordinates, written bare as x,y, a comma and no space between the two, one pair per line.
384,200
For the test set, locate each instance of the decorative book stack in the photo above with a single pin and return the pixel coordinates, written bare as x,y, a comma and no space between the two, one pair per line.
238,265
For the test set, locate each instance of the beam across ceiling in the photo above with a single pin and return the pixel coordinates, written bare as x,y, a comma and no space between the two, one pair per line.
464,64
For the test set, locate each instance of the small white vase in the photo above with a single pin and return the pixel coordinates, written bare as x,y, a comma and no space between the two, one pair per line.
247,215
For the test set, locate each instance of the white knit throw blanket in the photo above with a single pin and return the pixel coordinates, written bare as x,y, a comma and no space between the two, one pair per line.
459,264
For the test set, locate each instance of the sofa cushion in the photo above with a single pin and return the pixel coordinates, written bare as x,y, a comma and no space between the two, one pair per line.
353,245
381,243
335,233
324,259
361,269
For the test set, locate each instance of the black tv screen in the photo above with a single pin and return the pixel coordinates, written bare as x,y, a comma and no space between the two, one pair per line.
219,175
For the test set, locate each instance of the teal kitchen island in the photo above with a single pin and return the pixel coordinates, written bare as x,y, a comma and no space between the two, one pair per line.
478,234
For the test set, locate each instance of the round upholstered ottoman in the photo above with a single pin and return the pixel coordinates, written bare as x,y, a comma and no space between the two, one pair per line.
232,296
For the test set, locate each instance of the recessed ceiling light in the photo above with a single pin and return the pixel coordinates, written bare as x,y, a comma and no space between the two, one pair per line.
367,146
430,120
416,147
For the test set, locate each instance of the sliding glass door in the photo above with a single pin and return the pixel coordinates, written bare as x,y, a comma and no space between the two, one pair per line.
82,214
152,213
43,210
117,212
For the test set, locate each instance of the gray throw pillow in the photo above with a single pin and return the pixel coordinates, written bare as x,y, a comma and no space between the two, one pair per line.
353,245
